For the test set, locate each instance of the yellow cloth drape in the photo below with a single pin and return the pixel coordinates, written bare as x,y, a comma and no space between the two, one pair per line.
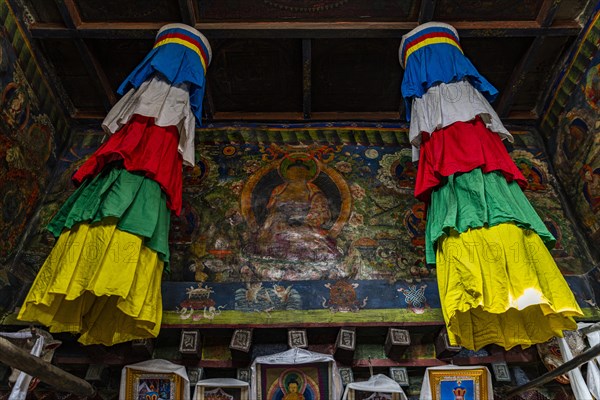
501,285
98,281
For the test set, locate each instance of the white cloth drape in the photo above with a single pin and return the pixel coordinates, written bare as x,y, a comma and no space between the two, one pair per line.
578,384
447,103
219,382
377,383
159,367
19,391
168,105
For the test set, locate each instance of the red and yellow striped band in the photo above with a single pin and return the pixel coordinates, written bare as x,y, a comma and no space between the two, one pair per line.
427,40
183,40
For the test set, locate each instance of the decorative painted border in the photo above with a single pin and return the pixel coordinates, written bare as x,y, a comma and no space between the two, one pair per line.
390,306
33,72
570,76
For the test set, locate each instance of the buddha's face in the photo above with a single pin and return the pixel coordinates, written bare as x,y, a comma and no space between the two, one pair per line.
293,388
298,173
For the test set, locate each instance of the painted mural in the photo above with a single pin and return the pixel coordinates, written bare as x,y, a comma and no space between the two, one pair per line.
32,132
572,119
304,224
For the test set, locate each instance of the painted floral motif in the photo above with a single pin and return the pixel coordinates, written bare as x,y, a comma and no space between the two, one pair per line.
343,166
356,219
358,193
397,171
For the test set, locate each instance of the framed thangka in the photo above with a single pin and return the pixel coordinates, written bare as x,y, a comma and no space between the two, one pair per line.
222,393
294,382
221,389
143,385
467,384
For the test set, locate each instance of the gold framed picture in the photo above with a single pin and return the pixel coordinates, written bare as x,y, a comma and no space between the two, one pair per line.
143,385
467,384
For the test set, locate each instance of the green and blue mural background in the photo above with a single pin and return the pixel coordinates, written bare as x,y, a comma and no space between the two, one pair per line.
571,124
33,131
241,256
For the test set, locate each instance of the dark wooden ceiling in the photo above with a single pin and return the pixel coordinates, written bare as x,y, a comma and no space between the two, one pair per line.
301,59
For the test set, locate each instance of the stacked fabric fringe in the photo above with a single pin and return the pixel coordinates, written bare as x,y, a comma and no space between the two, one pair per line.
102,278
497,280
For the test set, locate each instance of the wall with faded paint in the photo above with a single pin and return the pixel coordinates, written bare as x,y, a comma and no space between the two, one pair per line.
571,124
32,132
338,240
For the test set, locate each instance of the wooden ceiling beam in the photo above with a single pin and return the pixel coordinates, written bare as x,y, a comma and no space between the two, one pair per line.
545,19
306,78
547,12
427,10
72,20
188,12
208,105
303,30
513,116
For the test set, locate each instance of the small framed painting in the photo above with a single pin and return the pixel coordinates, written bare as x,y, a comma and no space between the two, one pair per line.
142,385
467,384
222,393
285,382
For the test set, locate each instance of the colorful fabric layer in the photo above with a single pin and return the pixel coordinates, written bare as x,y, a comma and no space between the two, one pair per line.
144,148
433,56
425,35
136,201
180,54
500,285
168,104
475,200
100,282
462,147
445,104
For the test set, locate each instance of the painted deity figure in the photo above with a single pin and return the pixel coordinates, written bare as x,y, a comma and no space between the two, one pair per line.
297,211
293,392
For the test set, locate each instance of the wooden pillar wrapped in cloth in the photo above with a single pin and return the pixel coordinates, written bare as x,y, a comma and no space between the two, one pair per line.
102,278
498,282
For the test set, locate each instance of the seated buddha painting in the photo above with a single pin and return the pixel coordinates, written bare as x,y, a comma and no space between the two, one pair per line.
295,207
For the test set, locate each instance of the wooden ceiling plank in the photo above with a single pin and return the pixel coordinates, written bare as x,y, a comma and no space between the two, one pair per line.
321,116
518,77
545,19
306,78
547,12
70,14
188,12
517,116
522,116
427,10
97,74
208,105
309,30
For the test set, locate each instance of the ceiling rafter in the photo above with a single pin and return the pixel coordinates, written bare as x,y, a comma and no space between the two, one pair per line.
306,78
427,10
300,30
188,12
545,18
208,105
72,20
